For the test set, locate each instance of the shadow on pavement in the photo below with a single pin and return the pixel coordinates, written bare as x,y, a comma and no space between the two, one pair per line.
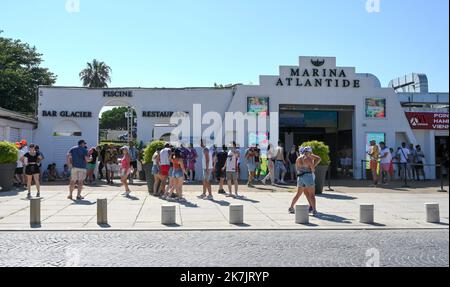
336,196
220,202
377,224
264,188
172,225
309,224
189,204
246,199
83,202
131,197
331,217
10,192
242,225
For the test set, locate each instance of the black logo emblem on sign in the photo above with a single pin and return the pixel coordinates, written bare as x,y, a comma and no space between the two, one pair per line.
318,63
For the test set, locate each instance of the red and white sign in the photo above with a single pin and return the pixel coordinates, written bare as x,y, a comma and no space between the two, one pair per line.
427,121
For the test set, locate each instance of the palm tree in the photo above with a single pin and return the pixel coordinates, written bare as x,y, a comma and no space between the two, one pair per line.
96,75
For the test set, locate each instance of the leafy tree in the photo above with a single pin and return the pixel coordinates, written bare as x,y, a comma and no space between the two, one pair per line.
96,75
115,119
20,76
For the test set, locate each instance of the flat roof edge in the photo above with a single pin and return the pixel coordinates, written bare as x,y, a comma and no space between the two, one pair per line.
138,88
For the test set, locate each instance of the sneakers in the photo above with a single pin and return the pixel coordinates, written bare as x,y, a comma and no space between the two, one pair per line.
209,197
282,182
29,195
311,209
221,191
202,195
314,213
291,210
38,194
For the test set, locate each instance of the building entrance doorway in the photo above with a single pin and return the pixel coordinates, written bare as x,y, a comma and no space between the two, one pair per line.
442,157
332,125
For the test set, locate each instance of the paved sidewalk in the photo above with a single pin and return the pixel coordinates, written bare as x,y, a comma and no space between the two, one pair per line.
265,207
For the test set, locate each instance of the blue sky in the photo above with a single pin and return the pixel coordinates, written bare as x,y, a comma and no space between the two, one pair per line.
178,43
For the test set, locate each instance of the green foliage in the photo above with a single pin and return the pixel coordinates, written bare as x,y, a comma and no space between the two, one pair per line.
115,119
96,75
20,76
320,149
8,152
150,150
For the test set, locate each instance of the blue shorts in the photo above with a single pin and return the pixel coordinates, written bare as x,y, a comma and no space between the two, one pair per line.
306,180
279,165
177,173
251,167
155,169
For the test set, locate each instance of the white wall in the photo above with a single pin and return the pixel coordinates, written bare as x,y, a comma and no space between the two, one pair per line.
25,131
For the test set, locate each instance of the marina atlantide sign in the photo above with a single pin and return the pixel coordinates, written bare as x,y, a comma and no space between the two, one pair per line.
318,77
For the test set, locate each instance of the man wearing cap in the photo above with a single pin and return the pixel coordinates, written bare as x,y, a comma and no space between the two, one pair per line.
77,157
19,176
24,145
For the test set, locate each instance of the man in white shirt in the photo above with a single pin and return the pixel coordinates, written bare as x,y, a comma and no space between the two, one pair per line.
231,167
402,153
385,163
207,167
164,166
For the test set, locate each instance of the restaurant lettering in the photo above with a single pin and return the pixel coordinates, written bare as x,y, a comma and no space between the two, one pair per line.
67,114
159,114
318,78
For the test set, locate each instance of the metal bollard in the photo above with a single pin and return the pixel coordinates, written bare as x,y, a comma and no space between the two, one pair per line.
366,213
433,214
35,211
102,211
302,214
236,214
168,214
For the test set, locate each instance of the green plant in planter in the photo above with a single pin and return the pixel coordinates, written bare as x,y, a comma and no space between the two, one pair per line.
8,153
320,149
150,150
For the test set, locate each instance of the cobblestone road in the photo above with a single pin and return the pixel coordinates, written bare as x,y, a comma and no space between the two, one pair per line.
230,249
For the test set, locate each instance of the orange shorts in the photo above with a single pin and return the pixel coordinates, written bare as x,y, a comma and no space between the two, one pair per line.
374,165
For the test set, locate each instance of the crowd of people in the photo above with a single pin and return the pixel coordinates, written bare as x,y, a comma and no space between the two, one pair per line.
406,163
172,167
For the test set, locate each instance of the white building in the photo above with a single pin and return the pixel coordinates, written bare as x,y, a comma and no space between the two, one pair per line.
15,127
315,100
